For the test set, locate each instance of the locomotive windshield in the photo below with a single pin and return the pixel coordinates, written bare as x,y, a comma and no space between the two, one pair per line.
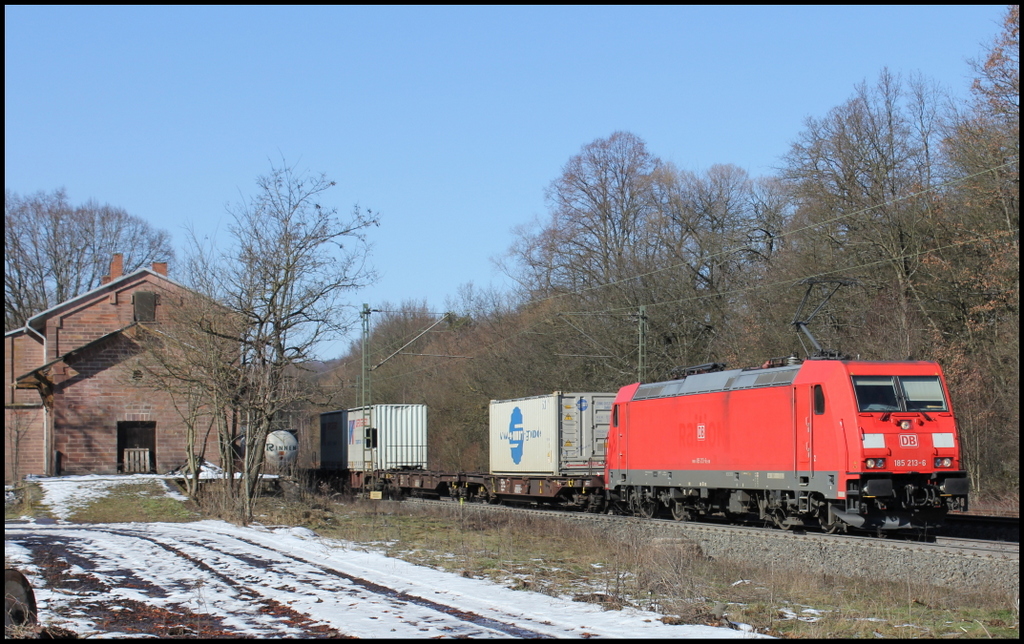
923,393
899,393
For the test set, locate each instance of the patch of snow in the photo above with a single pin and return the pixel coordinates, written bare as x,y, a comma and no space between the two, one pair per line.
229,572
298,531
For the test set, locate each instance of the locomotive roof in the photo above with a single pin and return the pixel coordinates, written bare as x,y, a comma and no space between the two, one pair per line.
718,381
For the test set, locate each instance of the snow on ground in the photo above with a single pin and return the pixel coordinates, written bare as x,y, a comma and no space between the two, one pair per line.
66,495
285,582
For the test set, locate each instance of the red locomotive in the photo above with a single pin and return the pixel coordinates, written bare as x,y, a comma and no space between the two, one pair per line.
823,442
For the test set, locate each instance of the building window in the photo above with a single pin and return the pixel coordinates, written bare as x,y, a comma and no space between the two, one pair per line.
145,306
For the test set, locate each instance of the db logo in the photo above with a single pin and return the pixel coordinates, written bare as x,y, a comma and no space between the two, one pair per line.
908,440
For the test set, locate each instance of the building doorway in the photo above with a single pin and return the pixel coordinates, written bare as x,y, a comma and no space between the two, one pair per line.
136,446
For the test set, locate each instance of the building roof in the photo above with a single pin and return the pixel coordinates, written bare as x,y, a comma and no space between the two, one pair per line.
38,322
37,376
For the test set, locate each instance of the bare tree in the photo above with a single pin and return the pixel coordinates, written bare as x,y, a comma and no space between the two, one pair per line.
626,231
997,83
54,250
16,433
590,253
194,356
974,277
599,209
712,230
863,176
283,278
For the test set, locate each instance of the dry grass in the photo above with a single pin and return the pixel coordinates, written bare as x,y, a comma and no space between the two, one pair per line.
21,632
124,503
671,577
1006,504
28,499
142,502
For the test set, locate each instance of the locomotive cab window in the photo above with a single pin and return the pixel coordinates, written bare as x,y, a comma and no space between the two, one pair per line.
899,393
923,393
876,393
819,400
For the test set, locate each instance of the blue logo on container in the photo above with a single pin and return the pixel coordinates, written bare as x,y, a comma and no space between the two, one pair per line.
582,404
516,435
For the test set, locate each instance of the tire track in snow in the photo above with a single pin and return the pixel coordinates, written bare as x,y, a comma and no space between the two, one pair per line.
373,587
280,570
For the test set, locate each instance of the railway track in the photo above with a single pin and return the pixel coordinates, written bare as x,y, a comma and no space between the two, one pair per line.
943,561
979,546
996,528
1000,545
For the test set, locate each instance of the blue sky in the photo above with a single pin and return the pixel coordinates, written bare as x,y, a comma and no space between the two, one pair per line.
448,121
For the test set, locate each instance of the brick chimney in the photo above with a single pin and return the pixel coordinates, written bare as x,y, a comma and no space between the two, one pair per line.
160,267
117,266
116,269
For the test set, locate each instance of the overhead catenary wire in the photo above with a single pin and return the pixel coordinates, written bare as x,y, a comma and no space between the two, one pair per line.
735,291
418,336
740,290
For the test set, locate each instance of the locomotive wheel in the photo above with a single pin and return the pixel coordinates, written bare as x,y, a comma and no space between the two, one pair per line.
647,508
832,528
779,517
679,512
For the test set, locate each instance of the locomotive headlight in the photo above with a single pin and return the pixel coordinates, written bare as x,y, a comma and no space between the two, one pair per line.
944,462
875,463
906,424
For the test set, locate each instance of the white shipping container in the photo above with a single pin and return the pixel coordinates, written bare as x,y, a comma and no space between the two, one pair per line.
383,437
560,433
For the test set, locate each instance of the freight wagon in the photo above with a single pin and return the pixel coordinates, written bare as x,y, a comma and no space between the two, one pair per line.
546,449
361,441
560,433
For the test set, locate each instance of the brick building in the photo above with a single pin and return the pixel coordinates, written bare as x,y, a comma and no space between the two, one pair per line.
72,405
